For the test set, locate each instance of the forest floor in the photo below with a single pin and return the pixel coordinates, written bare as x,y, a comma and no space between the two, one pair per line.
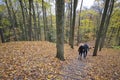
36,61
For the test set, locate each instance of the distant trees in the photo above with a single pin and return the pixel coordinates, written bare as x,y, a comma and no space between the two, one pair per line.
60,7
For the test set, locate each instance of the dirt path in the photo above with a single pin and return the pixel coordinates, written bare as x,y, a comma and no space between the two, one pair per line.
105,66
76,70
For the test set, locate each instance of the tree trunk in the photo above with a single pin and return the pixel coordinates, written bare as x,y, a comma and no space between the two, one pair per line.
11,20
46,22
113,30
39,28
106,24
44,19
30,21
73,23
35,24
78,34
2,36
71,17
101,28
60,7
14,15
24,21
27,20
118,36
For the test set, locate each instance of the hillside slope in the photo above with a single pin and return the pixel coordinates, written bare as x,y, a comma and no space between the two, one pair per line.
36,60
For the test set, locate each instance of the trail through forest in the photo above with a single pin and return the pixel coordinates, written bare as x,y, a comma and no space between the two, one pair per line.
36,60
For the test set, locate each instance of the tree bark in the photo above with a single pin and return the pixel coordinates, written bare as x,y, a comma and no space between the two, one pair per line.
106,24
11,20
44,20
78,34
39,28
118,36
35,24
24,20
73,23
71,17
27,19
30,21
60,7
101,28
2,36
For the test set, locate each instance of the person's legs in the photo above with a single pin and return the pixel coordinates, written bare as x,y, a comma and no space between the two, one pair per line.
86,53
80,55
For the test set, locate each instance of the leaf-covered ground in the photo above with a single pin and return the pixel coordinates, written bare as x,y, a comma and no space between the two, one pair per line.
36,61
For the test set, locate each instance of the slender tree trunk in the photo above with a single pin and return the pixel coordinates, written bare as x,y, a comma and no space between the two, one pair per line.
101,28
35,24
2,36
71,17
60,7
78,34
15,21
27,20
30,21
111,35
51,24
73,24
106,24
11,20
44,20
51,18
24,21
39,28
14,15
118,36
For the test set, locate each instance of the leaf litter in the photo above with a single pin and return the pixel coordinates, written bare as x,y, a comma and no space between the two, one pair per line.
35,60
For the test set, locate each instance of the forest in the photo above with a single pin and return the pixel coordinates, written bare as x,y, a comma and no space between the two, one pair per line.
39,39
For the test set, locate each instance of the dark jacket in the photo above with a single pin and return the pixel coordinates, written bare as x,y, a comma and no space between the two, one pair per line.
86,47
81,49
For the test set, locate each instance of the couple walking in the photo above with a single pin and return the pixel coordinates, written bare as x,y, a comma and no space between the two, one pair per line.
83,50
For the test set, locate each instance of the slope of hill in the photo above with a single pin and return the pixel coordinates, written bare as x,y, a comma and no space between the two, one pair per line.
36,60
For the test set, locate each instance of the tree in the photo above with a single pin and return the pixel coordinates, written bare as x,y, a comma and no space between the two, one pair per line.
73,23
35,22
24,20
101,27
11,18
109,12
2,36
78,35
38,15
60,6
71,17
44,20
30,21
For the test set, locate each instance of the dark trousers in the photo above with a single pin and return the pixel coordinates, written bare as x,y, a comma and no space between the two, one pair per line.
82,54
86,51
